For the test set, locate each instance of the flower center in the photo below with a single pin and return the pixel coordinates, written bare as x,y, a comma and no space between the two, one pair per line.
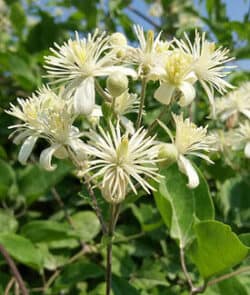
177,66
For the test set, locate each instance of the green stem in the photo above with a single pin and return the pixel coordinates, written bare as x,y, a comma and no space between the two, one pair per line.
101,92
111,228
142,100
164,112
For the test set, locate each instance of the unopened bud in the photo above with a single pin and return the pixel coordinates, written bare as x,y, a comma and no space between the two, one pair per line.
118,39
117,83
167,153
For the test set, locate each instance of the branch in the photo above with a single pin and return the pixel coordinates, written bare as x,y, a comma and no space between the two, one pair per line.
228,276
184,269
143,16
67,216
9,286
14,270
96,207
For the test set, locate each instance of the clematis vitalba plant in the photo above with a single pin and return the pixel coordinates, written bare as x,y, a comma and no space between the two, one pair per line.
93,113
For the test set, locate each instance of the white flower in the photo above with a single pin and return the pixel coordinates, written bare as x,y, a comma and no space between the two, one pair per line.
189,140
242,138
119,159
46,115
223,140
156,9
77,62
234,103
124,104
209,64
150,51
175,74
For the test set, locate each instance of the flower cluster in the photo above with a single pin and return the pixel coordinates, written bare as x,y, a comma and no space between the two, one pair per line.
233,109
113,151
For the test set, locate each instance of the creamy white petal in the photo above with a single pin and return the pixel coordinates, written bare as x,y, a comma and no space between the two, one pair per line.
188,92
187,168
164,93
26,149
210,93
46,157
247,150
21,136
129,126
246,113
84,98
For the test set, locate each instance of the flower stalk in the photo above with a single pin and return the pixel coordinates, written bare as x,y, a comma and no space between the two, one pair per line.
114,213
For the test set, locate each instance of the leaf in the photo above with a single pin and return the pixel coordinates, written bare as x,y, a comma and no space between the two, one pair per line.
7,178
216,248
121,286
230,286
179,205
78,272
34,181
147,216
87,225
234,197
17,17
8,222
44,231
22,250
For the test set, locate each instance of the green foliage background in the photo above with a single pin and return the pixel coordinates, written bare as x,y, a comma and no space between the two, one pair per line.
46,219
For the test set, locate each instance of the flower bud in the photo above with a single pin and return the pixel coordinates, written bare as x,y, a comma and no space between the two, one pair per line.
118,39
167,153
119,43
117,83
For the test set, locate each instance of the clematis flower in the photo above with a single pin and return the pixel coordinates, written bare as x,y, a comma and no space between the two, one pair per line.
242,138
48,116
189,140
77,63
235,103
150,51
209,64
175,74
119,159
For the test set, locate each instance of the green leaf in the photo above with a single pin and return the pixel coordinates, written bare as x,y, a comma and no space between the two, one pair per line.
8,222
7,178
87,225
230,286
34,181
147,216
17,17
78,272
235,201
44,231
216,248
22,250
121,286
179,205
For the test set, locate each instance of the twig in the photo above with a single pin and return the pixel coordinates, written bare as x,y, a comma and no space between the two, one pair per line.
14,270
164,112
67,216
102,92
58,271
142,100
228,276
9,286
91,192
129,238
143,16
184,269
215,281
113,219
96,207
